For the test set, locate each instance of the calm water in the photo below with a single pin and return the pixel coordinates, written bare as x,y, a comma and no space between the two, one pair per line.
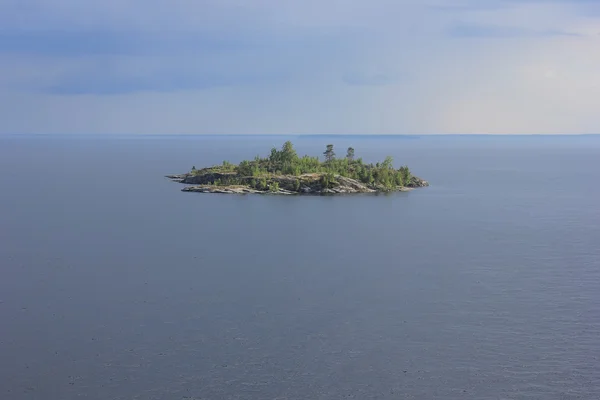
116,285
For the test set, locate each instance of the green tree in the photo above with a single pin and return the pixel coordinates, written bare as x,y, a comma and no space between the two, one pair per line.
329,153
399,180
259,172
387,163
245,168
350,154
406,175
288,154
274,159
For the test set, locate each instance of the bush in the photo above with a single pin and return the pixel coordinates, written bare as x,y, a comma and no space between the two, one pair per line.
262,184
286,161
328,180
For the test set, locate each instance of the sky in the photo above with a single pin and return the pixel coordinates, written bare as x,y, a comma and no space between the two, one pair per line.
299,66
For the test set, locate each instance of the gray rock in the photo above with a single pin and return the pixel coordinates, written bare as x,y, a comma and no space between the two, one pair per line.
309,184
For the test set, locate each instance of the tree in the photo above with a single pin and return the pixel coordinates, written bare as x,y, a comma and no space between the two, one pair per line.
399,179
274,157
387,164
245,168
329,154
288,154
259,172
350,154
406,175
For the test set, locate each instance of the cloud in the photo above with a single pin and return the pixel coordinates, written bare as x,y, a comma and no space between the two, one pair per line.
107,84
494,31
58,43
109,63
326,66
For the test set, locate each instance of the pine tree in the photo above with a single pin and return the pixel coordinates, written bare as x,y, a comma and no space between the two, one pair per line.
350,154
329,154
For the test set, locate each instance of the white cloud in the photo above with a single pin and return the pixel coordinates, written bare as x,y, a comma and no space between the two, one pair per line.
544,88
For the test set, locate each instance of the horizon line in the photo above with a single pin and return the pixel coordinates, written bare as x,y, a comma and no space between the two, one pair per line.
405,135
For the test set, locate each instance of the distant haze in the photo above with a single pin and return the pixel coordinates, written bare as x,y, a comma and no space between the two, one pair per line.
299,67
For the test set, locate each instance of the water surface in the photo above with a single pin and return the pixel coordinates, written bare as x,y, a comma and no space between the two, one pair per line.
116,285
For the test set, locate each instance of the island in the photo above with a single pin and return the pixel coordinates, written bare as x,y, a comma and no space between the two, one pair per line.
284,172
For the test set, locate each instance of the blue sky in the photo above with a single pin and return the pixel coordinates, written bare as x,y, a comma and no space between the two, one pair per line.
293,67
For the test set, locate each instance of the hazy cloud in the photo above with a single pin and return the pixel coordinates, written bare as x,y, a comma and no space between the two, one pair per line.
327,66
368,79
494,31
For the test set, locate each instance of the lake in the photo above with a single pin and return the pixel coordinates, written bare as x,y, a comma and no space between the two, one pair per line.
117,285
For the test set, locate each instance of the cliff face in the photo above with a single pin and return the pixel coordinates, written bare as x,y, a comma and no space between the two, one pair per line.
223,182
417,182
208,178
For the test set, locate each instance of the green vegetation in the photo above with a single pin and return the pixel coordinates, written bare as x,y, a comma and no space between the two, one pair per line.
329,154
259,172
274,187
350,154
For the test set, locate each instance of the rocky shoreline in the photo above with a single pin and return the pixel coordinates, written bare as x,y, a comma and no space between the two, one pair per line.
305,184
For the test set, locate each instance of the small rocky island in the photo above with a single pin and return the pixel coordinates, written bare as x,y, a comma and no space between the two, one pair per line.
284,172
